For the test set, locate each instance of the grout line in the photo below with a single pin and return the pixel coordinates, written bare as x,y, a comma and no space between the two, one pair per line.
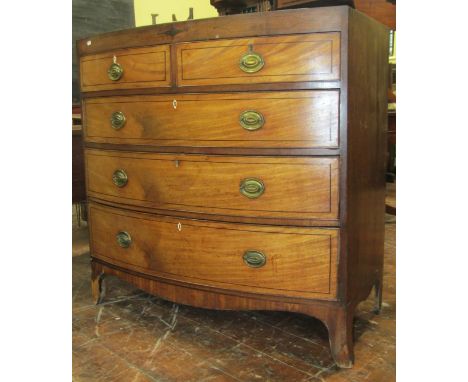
323,371
107,303
280,361
250,347
221,370
130,364
287,332
77,289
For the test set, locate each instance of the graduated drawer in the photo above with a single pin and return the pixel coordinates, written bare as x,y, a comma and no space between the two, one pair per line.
294,58
259,259
304,188
301,119
126,69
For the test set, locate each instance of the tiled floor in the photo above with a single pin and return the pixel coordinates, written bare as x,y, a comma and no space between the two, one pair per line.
135,337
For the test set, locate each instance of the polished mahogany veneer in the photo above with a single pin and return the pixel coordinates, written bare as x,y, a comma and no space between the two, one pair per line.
299,262
141,67
153,120
292,187
285,59
239,162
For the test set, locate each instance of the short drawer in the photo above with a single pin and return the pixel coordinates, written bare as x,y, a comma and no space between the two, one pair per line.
260,259
302,119
303,188
294,58
126,69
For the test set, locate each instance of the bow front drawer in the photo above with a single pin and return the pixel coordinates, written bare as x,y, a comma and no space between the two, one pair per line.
311,57
272,260
303,119
235,186
126,69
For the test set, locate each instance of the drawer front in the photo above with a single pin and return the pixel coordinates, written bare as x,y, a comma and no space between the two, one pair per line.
126,69
238,186
296,58
303,119
260,259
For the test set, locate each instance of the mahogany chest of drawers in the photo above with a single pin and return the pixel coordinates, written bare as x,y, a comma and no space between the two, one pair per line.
239,162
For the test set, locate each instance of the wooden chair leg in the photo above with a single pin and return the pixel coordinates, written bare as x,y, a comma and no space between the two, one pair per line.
378,295
340,331
98,286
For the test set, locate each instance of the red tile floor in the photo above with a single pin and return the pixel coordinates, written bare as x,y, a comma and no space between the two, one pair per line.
135,337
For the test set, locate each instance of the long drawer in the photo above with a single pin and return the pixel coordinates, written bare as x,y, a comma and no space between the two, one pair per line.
301,119
293,58
258,259
126,69
238,186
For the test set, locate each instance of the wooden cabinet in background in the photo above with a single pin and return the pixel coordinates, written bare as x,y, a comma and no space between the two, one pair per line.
78,166
384,11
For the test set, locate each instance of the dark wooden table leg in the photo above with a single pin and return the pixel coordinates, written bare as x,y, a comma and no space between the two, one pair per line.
98,286
378,295
340,331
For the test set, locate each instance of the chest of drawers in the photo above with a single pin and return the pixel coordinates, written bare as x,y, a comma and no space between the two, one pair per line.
238,162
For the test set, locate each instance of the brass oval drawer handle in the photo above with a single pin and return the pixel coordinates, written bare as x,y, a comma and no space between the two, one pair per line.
120,178
251,62
254,259
251,120
115,71
118,120
252,188
124,239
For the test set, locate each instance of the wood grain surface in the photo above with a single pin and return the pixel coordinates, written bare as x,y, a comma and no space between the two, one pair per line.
294,187
325,70
312,20
78,168
311,57
283,221
228,88
142,67
301,119
365,156
299,261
